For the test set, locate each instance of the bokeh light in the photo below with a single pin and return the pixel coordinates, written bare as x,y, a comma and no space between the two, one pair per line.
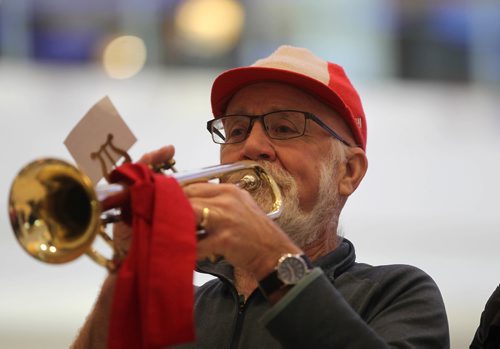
124,57
209,28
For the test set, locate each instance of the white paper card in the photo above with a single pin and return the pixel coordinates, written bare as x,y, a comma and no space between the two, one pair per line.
91,134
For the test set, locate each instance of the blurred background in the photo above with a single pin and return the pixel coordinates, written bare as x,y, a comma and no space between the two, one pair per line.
428,72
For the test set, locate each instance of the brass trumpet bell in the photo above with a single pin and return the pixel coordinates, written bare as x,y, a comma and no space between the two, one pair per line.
54,210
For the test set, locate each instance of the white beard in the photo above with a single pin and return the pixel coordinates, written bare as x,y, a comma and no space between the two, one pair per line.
305,227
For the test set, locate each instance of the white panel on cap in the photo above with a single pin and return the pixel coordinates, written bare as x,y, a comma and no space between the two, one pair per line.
299,60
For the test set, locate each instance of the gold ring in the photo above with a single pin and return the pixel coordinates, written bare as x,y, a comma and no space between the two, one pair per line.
204,219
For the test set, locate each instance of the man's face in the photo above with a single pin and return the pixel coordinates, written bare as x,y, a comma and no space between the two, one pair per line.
302,157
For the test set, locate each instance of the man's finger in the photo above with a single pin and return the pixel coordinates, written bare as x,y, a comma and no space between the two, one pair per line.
158,156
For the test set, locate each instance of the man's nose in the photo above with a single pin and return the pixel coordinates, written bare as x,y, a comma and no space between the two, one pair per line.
258,146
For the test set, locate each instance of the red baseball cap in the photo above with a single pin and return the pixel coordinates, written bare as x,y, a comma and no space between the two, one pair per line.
299,67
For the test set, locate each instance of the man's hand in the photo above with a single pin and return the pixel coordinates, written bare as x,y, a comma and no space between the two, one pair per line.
238,229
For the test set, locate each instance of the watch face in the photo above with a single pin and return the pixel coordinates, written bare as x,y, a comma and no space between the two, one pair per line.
291,270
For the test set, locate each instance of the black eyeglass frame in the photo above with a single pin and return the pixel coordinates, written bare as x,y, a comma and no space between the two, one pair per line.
254,118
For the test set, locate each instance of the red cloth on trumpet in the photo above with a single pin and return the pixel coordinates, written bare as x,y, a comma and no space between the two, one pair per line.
153,298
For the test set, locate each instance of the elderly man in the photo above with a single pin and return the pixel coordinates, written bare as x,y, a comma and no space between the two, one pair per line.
294,282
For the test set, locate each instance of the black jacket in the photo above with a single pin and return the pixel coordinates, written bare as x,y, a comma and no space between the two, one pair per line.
488,333
340,304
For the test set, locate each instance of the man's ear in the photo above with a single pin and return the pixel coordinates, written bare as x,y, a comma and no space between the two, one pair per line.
353,172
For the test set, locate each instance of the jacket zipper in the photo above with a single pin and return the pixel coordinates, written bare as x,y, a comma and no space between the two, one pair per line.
239,321
242,305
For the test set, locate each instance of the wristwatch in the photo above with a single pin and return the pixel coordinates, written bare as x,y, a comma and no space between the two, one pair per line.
291,268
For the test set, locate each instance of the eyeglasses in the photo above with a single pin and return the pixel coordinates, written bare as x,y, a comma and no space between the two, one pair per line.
280,124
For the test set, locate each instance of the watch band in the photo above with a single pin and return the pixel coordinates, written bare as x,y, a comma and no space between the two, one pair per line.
272,283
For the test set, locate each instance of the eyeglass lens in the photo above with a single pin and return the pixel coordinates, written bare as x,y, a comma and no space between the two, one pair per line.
278,125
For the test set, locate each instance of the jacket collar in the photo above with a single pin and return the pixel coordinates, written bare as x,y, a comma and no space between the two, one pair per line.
337,261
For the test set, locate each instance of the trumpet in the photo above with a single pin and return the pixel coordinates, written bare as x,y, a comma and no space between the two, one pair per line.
56,212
